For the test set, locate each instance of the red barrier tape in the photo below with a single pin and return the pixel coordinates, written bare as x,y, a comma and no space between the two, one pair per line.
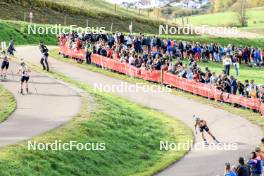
197,88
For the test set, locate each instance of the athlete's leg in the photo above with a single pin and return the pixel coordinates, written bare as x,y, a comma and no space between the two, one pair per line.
27,84
203,136
42,63
4,72
204,139
22,81
21,87
47,63
5,69
2,68
211,135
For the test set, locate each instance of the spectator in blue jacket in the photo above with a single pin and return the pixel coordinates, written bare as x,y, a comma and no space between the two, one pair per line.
228,170
256,164
233,84
137,43
256,56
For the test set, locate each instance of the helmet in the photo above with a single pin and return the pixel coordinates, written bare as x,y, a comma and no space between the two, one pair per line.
22,61
196,118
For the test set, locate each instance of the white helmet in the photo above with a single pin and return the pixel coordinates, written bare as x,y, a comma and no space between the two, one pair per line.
196,118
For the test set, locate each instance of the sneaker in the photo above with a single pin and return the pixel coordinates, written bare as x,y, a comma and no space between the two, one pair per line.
216,141
206,143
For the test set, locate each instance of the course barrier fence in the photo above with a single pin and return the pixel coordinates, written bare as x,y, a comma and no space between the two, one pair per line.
205,90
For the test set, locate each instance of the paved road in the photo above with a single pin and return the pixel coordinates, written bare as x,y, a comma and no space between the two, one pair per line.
227,127
49,105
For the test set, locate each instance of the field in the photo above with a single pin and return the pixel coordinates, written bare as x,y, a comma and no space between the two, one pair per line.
94,13
255,20
19,32
245,72
7,104
132,134
101,6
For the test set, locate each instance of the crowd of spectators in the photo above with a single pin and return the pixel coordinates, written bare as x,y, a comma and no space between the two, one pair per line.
252,166
177,57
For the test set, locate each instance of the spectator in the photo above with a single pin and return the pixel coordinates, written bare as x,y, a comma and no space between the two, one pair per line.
255,164
252,89
228,170
241,88
88,51
260,153
256,57
227,62
236,66
242,169
233,84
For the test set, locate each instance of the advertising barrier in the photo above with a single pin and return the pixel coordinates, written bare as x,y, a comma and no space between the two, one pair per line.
197,88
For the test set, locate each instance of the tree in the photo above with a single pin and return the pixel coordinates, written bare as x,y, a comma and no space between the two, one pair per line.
242,13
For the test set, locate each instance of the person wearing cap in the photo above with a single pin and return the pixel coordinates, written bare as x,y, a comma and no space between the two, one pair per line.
24,72
202,124
242,169
229,171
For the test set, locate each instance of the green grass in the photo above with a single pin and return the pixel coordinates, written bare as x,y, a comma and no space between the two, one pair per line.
101,6
245,72
248,114
98,13
255,19
19,32
222,41
7,104
131,132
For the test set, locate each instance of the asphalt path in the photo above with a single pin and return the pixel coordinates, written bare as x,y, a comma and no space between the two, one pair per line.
231,130
49,104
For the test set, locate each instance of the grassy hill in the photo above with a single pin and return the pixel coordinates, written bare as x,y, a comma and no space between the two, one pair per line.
225,5
97,13
255,19
7,104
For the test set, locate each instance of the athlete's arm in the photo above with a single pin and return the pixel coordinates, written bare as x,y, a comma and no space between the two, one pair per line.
19,71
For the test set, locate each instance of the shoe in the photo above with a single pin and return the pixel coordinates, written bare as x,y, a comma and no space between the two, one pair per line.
206,143
27,91
216,141
21,91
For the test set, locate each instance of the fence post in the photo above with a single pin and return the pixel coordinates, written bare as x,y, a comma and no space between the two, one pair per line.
161,76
